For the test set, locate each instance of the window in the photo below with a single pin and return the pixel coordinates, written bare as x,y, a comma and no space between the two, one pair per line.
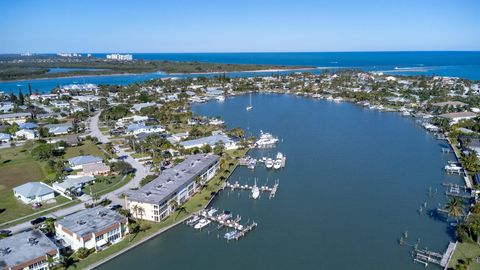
99,238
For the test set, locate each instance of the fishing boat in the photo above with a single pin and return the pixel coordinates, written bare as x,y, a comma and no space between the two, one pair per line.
269,163
193,220
250,107
230,235
255,191
202,223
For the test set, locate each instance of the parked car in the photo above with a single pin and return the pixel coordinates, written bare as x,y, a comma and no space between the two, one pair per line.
36,205
5,232
115,207
38,220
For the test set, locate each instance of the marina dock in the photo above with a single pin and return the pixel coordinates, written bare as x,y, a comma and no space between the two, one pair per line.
424,256
223,220
267,189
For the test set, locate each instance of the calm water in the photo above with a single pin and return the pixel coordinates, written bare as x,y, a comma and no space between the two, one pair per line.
353,183
458,64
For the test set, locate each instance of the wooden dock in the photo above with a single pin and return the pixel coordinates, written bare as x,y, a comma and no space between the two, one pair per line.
425,257
272,190
242,230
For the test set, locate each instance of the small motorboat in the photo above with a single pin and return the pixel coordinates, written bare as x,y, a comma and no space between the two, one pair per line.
202,223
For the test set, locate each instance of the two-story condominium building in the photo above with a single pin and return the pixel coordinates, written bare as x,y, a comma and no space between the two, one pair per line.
151,202
91,228
27,250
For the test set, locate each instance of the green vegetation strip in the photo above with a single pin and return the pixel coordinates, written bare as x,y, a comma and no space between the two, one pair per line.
464,252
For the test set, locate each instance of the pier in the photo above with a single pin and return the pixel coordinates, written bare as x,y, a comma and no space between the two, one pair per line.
224,220
267,189
424,256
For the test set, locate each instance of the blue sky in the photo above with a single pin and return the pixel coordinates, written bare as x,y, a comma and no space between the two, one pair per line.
238,26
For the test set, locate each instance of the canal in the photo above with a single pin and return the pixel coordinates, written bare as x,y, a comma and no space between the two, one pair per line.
353,184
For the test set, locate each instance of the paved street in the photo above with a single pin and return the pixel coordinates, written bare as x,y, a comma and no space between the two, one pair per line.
140,172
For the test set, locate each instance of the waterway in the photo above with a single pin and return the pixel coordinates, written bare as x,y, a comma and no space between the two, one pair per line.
457,64
353,183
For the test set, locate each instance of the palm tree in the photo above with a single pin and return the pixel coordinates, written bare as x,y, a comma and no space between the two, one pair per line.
454,208
141,211
135,210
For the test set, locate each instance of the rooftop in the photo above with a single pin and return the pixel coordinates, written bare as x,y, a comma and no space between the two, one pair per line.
24,247
80,160
32,189
171,180
211,140
91,220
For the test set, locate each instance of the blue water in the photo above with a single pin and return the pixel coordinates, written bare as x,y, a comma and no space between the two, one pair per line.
458,64
353,183
61,70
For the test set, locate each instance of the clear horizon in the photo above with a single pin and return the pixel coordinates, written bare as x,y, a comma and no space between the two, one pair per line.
238,27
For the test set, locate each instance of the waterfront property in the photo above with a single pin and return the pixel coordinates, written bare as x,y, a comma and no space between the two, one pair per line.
153,201
91,228
34,192
27,250
456,117
212,140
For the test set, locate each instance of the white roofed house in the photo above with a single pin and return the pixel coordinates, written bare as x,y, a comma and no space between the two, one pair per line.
91,228
135,129
5,138
72,183
139,106
212,140
34,192
77,163
6,107
26,134
59,129
27,250
456,117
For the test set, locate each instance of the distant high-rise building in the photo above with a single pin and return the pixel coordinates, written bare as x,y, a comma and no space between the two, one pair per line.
121,57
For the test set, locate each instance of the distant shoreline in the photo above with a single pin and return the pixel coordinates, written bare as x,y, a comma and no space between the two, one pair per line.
167,74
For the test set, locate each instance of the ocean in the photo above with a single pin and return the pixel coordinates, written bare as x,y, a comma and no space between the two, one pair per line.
455,64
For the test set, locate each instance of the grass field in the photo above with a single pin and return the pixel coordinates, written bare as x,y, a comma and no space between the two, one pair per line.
196,203
17,167
104,185
466,250
88,148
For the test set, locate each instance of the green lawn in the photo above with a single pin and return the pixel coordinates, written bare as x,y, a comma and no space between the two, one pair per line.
196,203
13,208
17,167
88,148
466,250
104,185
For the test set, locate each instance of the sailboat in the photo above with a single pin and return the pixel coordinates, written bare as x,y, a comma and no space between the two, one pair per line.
255,191
250,107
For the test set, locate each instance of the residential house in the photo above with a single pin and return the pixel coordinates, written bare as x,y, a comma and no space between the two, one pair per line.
95,169
77,163
33,192
6,107
152,201
5,138
59,129
96,228
28,125
27,250
139,106
73,183
14,117
212,140
456,117
26,134
135,129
